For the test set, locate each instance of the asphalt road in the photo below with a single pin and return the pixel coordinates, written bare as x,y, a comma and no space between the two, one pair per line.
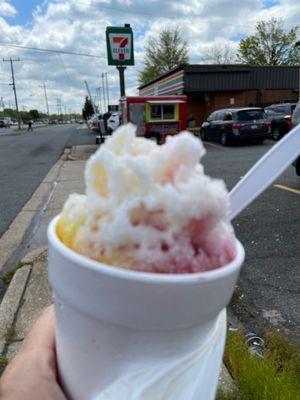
269,284
26,158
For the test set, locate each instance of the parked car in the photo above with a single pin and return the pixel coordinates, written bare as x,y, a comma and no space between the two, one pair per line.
296,115
5,123
95,121
236,124
296,121
280,116
113,122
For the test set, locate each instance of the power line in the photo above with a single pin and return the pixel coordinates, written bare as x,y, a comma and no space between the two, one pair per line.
11,61
65,69
18,46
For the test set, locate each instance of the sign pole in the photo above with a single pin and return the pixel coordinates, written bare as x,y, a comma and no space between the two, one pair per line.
121,70
119,42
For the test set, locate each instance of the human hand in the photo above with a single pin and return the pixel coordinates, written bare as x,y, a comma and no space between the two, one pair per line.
32,374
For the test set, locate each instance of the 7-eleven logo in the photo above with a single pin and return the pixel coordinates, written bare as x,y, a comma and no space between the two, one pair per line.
120,45
123,42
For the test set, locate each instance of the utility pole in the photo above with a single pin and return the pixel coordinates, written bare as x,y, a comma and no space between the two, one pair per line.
100,101
58,103
107,91
103,90
13,84
90,96
46,98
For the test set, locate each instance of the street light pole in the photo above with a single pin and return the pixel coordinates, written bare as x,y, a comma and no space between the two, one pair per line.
14,87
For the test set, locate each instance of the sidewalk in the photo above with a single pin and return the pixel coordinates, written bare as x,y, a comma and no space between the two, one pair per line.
29,292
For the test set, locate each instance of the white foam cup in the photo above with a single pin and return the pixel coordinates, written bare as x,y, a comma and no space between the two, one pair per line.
129,335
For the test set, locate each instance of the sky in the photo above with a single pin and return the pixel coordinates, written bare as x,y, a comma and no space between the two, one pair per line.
79,26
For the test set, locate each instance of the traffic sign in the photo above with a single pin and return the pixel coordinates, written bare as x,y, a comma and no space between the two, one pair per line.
119,42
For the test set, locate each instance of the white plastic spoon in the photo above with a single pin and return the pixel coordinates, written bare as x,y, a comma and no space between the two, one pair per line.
264,172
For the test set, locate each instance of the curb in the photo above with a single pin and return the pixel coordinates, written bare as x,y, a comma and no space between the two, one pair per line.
12,299
11,302
13,239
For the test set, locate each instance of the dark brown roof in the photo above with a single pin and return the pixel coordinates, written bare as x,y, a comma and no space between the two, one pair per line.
209,78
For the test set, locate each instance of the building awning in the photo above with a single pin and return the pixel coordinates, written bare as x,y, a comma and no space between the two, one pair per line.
164,101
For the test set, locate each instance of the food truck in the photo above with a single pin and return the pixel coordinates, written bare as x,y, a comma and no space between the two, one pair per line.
155,116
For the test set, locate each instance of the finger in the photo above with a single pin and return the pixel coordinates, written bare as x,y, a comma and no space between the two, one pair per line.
42,334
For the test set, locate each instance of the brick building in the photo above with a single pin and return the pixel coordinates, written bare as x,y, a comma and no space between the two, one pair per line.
210,87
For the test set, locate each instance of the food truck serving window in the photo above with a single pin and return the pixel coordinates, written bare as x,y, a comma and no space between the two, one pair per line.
162,112
155,112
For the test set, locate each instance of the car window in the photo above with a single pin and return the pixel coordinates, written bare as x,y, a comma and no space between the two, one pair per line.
219,115
227,117
279,109
211,117
250,115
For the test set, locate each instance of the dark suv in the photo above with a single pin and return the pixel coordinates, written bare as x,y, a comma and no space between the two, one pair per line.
280,116
296,121
236,124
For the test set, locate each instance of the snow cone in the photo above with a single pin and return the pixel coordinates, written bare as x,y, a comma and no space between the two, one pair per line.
142,267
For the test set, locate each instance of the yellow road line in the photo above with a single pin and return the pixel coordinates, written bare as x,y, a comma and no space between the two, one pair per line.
216,146
288,189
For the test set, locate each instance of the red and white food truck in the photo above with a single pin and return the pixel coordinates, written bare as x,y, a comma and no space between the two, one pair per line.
155,116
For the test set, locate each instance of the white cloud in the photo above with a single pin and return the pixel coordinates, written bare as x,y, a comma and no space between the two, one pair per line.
6,9
79,25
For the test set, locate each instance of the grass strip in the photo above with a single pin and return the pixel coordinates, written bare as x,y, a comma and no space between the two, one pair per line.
7,277
274,377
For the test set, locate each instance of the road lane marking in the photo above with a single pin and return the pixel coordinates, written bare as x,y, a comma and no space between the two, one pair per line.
216,146
288,189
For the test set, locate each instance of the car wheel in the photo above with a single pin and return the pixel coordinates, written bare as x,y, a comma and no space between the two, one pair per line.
276,133
203,135
224,139
259,141
154,138
298,166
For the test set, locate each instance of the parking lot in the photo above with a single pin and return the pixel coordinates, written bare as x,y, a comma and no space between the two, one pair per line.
269,229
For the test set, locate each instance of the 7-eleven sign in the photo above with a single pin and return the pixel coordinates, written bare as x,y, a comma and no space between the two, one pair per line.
119,46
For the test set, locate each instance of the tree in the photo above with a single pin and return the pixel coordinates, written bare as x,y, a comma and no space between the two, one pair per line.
270,45
222,54
88,109
34,114
167,51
